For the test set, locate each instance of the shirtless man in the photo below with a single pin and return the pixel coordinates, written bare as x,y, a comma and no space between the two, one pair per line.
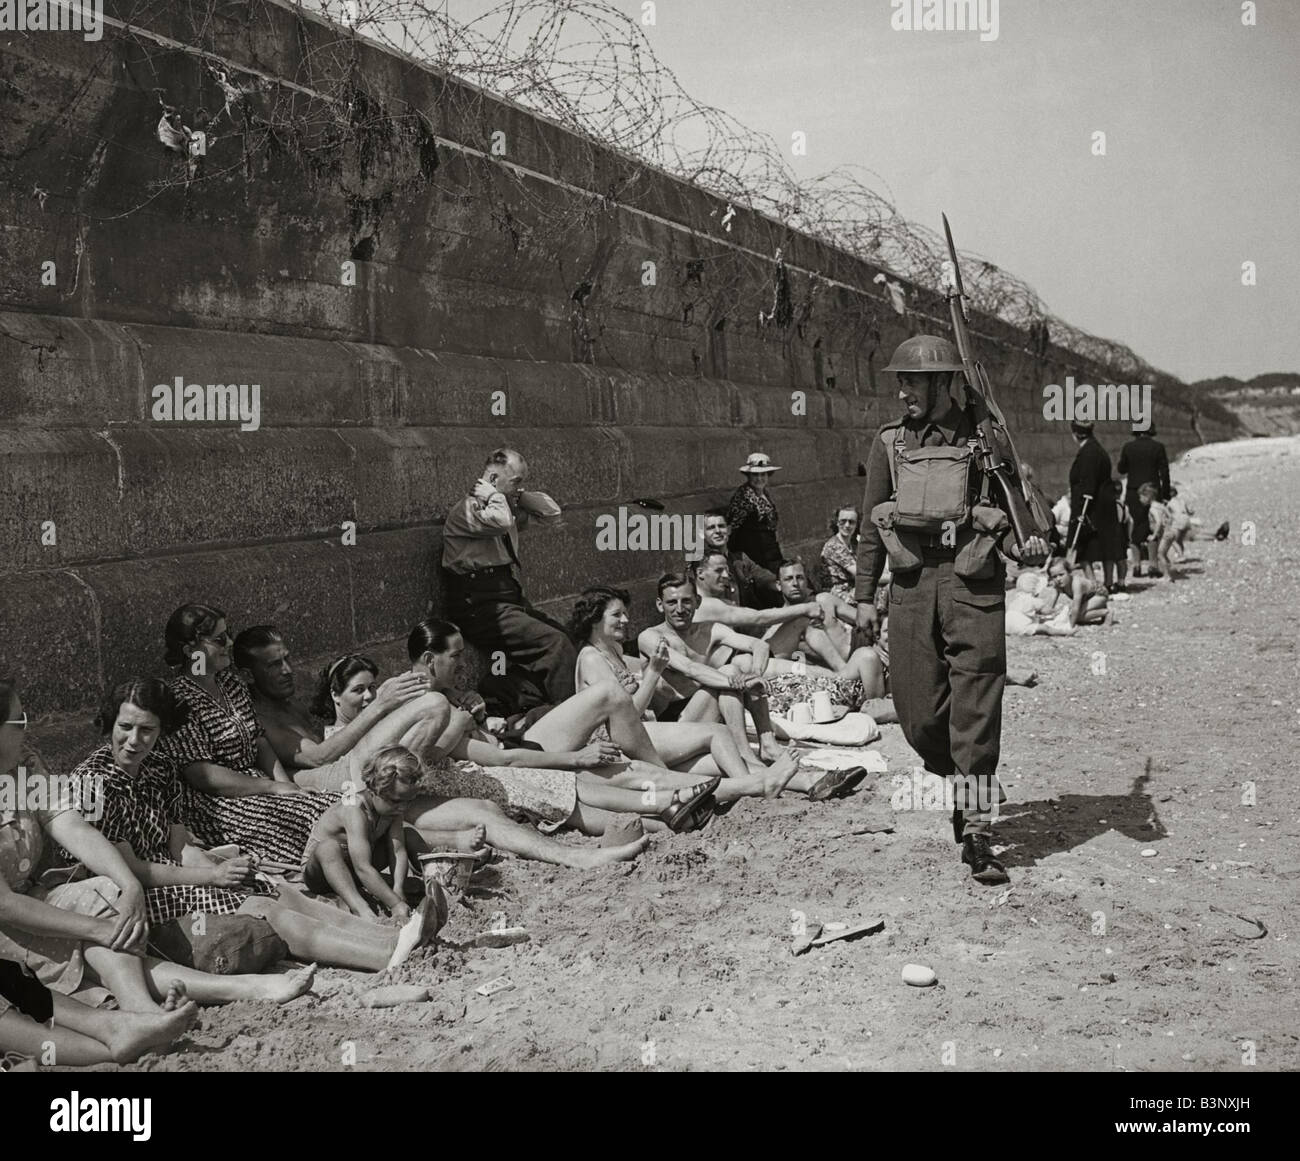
706,690
782,628
404,712
416,718
864,663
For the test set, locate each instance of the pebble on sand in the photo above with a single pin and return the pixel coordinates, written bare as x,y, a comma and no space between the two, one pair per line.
918,975
1149,853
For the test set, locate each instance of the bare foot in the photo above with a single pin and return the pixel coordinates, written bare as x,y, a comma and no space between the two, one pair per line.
777,776
586,857
280,989
769,749
139,1032
176,996
408,938
470,839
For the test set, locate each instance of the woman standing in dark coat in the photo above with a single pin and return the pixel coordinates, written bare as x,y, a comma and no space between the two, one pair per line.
753,516
1090,475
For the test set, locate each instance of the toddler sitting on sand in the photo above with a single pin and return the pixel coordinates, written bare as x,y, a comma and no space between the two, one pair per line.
368,827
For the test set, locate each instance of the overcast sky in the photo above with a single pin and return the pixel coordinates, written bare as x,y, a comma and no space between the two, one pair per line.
1144,245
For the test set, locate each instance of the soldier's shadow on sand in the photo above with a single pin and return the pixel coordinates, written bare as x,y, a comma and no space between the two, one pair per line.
1030,831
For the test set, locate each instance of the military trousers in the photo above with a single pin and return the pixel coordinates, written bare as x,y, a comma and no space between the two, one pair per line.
948,667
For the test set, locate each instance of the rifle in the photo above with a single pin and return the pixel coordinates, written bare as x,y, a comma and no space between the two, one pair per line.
1006,477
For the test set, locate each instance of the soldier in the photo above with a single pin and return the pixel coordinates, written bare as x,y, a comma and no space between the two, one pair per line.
946,599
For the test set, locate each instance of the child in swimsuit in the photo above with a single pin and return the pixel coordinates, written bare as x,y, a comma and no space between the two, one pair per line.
350,837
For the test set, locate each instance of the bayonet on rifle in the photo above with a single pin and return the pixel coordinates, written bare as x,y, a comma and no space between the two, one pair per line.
1007,477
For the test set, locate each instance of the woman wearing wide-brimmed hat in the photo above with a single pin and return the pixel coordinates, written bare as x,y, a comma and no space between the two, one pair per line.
753,516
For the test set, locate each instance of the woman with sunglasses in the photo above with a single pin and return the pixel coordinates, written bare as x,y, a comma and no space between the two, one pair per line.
840,552
239,792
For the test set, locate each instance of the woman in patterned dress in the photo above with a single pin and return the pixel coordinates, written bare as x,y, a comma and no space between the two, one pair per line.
753,516
238,792
139,795
839,553
87,936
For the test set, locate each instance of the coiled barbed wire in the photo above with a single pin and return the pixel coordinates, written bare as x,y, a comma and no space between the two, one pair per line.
590,68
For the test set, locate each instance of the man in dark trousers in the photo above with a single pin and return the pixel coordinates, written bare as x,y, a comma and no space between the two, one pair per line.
1143,460
480,553
1090,476
947,608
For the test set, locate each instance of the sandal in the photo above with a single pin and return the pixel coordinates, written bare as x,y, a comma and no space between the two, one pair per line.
680,816
836,784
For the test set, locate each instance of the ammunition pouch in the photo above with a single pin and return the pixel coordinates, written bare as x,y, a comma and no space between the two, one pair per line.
977,543
901,544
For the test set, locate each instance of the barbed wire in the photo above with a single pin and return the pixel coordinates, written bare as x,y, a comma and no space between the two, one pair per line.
590,68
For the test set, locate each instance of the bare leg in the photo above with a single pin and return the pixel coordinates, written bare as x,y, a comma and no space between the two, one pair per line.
680,742
209,989
571,724
308,938
329,861
732,708
702,707
866,666
602,794
124,976
784,639
756,703
507,835
83,1035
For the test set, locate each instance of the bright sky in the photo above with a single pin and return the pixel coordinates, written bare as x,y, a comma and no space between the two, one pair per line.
1144,245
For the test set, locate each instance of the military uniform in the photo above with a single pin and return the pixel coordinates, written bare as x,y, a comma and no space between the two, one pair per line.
947,642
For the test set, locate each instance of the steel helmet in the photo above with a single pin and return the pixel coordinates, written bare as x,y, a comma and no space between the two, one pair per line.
925,353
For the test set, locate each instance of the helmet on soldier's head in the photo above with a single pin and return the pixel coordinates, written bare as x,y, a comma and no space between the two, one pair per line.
925,353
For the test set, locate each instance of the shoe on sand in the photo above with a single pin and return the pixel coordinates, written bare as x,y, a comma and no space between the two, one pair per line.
836,784
977,854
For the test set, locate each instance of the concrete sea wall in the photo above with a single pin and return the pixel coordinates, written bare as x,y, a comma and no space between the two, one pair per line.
405,299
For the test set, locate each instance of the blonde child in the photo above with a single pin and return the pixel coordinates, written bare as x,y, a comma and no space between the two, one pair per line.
341,853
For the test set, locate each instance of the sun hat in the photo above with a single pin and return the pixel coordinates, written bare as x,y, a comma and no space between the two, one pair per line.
759,462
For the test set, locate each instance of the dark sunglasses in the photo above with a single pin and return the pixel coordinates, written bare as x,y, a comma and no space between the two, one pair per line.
224,639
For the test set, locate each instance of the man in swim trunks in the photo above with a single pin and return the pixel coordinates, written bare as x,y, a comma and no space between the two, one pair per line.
782,628
702,685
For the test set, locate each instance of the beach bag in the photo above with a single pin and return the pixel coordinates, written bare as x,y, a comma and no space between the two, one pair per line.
224,945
